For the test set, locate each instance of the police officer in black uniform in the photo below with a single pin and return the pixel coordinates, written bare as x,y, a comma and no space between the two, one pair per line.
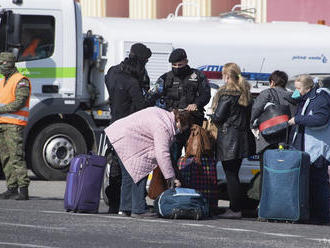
184,88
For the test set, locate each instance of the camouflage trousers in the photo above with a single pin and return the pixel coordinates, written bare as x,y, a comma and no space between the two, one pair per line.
12,155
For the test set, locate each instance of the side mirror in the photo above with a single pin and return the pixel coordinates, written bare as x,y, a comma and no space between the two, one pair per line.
13,29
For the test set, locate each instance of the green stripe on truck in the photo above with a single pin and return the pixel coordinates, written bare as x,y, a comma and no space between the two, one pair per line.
48,72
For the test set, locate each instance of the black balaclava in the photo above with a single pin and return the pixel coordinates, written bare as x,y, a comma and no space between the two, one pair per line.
7,63
181,72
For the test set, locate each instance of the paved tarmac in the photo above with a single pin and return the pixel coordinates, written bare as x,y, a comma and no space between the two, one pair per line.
42,222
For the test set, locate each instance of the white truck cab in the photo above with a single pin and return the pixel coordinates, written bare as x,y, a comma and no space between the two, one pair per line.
66,57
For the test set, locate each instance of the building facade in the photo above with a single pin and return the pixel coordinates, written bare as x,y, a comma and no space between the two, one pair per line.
312,11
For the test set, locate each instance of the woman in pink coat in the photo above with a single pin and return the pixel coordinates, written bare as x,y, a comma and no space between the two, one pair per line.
142,142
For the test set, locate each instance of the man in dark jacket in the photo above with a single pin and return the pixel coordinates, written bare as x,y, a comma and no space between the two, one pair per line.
125,83
276,92
184,88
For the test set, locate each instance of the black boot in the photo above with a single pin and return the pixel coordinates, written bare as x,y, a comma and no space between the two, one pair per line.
11,193
23,194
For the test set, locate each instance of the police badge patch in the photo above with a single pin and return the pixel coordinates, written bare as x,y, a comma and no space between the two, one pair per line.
193,77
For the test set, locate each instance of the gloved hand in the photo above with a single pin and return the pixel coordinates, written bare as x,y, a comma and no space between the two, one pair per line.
173,182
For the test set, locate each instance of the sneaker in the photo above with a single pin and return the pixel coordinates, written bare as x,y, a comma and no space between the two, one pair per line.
230,214
144,215
124,213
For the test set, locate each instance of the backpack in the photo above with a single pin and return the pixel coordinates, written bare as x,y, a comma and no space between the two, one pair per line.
181,203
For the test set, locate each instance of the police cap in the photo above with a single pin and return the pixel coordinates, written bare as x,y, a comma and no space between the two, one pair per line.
177,55
141,51
6,56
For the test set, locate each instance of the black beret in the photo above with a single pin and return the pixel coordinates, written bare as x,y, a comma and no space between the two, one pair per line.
140,51
177,55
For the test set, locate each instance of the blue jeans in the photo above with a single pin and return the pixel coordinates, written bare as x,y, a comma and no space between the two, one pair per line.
132,197
319,193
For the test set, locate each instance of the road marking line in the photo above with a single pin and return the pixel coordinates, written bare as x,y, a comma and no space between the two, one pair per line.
326,241
164,221
198,225
151,220
26,245
236,229
283,235
244,230
32,226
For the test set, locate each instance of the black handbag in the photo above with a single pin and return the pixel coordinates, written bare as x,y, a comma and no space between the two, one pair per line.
274,119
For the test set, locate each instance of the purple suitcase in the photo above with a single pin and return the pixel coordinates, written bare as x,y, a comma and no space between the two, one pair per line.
83,183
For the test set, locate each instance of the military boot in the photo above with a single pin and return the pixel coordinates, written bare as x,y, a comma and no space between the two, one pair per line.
23,194
11,193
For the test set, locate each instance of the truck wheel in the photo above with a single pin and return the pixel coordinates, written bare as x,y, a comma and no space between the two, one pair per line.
53,148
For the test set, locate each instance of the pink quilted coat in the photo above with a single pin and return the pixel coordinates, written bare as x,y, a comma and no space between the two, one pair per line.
142,141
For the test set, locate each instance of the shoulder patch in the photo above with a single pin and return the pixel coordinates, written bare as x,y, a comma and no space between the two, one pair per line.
23,84
193,76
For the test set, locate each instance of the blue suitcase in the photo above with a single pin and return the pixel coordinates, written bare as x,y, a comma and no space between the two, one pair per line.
83,183
285,186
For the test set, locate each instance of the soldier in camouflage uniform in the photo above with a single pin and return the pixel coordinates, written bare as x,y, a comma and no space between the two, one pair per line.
15,91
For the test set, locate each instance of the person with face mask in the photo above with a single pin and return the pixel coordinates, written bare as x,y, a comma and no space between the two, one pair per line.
127,81
312,135
184,88
15,92
142,142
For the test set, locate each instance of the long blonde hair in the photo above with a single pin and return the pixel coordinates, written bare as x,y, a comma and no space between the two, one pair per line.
237,82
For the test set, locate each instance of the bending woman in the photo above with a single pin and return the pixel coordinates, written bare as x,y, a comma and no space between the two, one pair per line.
142,142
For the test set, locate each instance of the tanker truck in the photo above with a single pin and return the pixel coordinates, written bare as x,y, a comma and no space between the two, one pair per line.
69,107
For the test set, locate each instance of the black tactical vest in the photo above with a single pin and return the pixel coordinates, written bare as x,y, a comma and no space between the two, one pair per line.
179,93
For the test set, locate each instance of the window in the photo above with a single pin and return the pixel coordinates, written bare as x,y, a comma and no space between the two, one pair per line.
37,37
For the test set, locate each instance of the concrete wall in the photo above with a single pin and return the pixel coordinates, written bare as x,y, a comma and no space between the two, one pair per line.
117,8
164,8
219,6
298,10
142,9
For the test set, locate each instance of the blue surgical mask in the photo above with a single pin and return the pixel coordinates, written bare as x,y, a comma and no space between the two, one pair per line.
296,94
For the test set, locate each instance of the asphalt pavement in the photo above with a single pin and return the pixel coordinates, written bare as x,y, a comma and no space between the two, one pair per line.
43,222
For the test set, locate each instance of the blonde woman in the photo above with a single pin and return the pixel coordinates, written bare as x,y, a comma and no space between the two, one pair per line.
232,117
